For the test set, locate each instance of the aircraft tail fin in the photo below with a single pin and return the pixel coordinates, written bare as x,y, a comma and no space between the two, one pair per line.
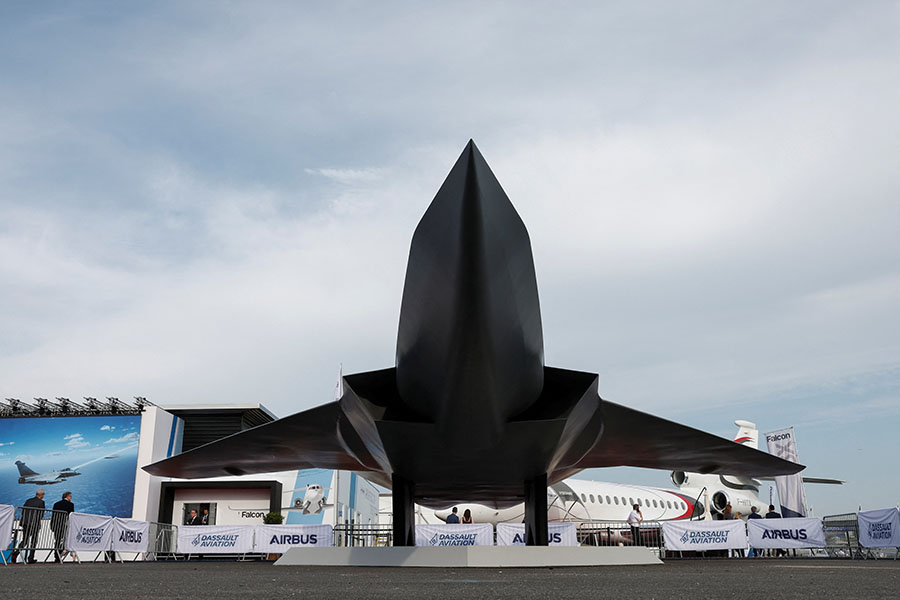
24,471
747,434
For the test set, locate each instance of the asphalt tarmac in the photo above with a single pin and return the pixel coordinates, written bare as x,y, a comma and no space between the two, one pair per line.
688,579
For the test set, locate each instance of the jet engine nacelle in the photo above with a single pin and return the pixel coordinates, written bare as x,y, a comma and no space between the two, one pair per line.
719,501
679,478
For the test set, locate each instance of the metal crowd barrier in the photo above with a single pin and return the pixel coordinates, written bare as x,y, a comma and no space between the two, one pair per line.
842,536
163,542
162,546
39,535
589,533
842,539
612,533
366,535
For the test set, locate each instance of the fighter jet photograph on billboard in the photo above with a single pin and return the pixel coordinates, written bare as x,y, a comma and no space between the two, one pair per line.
93,457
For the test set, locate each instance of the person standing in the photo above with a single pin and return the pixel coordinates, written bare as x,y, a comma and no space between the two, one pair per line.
738,552
204,520
634,520
32,514
193,519
467,517
59,523
754,514
775,515
453,518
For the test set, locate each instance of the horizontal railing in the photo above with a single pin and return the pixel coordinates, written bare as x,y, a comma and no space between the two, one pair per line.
39,536
366,535
616,533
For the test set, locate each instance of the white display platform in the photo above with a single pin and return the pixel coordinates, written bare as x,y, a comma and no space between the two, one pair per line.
471,556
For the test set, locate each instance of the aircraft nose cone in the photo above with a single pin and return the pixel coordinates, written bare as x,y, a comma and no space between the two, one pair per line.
470,342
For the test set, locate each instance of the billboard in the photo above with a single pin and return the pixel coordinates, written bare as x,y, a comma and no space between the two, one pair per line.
95,458
313,498
324,496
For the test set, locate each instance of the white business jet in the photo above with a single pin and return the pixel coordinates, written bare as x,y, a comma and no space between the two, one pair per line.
698,497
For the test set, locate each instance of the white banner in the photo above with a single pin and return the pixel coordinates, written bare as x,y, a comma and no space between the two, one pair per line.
90,533
7,515
130,535
279,538
791,496
215,539
704,535
559,534
879,528
479,534
799,532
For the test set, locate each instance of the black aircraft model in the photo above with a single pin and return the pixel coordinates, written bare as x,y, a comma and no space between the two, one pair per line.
470,413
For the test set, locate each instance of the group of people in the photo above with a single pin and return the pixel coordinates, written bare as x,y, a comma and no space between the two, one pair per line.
636,518
727,514
32,515
195,519
453,517
772,514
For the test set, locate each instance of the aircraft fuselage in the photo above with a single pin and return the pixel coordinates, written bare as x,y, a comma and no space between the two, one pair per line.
46,480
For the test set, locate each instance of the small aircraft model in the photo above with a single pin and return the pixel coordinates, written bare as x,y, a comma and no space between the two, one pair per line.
28,475
313,500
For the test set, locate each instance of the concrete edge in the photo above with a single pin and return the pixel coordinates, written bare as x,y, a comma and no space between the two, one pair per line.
473,556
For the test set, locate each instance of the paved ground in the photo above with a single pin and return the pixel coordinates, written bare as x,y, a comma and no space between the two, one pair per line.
692,580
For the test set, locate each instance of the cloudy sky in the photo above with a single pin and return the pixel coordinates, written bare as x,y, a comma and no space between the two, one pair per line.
213,202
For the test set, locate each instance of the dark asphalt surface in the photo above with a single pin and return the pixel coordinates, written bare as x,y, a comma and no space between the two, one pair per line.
694,580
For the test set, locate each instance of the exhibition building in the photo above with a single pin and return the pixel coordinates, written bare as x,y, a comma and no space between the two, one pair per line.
98,455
